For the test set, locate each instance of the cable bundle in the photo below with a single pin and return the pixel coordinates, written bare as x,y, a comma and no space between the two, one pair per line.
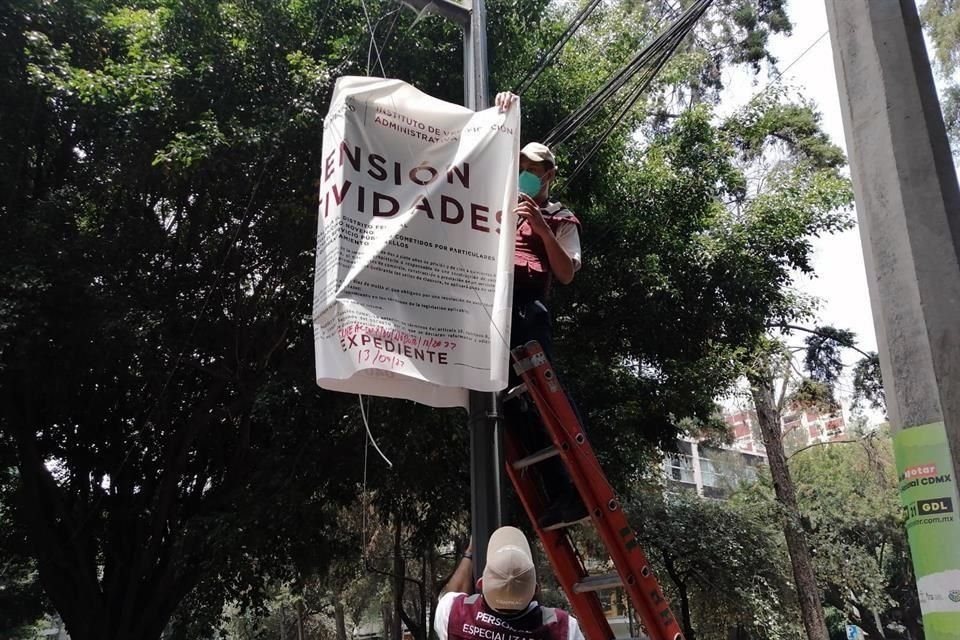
642,69
575,24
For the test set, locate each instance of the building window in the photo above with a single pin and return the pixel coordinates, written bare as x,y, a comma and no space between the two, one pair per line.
708,471
680,468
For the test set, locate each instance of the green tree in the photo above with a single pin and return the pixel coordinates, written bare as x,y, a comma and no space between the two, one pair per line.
155,383
157,161
721,564
848,496
774,362
941,18
801,194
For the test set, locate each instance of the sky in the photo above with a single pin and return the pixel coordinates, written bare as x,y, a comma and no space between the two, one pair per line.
841,281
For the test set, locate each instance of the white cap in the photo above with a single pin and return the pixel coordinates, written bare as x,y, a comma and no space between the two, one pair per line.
509,579
539,152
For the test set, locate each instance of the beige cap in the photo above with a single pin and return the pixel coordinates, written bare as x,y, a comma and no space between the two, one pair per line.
539,152
509,579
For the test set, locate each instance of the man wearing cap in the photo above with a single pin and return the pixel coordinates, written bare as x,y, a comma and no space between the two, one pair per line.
548,236
504,609
547,241
547,248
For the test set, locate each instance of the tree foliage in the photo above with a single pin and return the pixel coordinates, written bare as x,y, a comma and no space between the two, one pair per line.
157,166
823,359
868,383
941,19
156,379
848,496
721,564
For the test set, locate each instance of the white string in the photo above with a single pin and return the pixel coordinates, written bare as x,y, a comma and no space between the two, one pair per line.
366,424
373,41
780,74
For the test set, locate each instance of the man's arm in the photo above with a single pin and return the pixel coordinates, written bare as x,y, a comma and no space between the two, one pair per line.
573,631
561,264
462,579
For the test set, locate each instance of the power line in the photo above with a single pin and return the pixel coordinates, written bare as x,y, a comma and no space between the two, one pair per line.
575,24
779,75
648,61
608,230
645,66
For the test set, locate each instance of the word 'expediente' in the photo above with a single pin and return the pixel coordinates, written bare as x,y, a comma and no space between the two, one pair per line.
390,346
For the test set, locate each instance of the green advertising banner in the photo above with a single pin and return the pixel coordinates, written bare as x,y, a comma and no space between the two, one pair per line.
928,492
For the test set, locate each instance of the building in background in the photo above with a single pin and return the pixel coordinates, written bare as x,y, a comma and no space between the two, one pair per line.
801,427
711,471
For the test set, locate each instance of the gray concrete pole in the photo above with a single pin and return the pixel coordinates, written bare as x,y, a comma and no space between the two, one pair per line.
486,484
908,205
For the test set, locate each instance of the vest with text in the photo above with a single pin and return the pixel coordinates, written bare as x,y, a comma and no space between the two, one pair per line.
472,619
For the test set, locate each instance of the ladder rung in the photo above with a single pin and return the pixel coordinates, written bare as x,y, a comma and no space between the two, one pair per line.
517,391
568,524
598,583
539,456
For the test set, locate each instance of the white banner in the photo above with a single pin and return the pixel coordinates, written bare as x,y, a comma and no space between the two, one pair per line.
414,268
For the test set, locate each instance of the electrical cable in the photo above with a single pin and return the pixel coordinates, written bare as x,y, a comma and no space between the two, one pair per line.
653,56
574,25
632,98
780,74
586,157
568,125
373,39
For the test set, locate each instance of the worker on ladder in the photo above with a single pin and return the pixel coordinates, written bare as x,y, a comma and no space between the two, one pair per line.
505,608
547,249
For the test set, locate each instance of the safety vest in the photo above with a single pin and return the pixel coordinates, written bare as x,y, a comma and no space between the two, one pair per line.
472,619
532,274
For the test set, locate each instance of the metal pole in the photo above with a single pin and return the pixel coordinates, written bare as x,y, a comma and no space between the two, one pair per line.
485,476
485,448
475,71
908,204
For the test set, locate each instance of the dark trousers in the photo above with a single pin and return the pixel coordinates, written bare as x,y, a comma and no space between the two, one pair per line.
531,321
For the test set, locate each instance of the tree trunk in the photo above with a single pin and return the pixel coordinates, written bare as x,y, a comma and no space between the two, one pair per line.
341,620
299,619
398,583
387,611
685,620
424,630
431,581
808,594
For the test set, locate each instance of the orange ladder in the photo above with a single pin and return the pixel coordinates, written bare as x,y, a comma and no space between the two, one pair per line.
633,573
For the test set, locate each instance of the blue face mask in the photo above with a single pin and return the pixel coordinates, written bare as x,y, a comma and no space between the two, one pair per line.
529,183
